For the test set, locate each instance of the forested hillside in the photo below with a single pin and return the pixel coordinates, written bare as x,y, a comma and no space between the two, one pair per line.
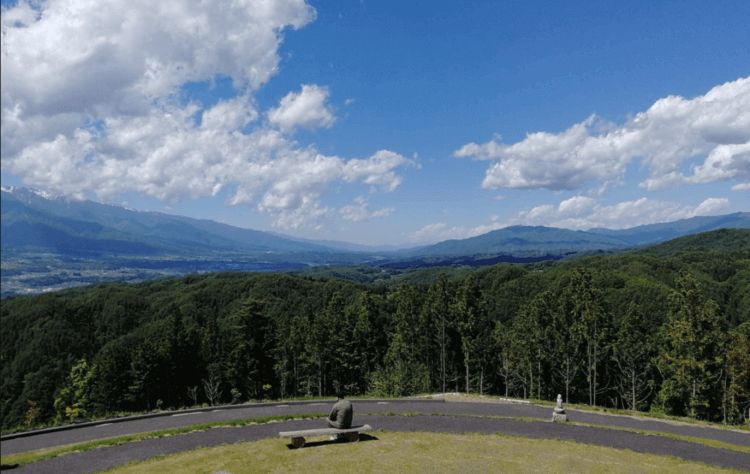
664,329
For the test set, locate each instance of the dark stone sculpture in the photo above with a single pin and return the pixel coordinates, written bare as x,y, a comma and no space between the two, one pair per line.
341,414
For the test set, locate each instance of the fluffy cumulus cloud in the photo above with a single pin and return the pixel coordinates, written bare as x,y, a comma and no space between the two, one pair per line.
93,100
441,231
674,131
583,212
725,162
306,109
359,210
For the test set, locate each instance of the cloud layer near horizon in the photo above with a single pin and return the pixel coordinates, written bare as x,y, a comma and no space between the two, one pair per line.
580,213
714,128
93,101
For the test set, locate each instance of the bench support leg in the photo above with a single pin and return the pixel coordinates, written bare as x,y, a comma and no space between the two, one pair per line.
352,436
298,442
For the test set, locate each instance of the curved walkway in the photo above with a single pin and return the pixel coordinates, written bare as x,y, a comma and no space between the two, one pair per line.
435,416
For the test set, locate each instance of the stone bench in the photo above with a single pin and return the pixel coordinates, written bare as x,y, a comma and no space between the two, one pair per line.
298,437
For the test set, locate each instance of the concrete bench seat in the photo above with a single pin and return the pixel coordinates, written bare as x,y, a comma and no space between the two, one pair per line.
298,437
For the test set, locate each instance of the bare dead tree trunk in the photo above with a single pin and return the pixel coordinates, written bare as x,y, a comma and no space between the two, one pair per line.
442,349
466,364
692,400
481,380
506,375
538,378
589,374
320,377
724,402
507,383
211,387
193,394
596,355
296,380
531,380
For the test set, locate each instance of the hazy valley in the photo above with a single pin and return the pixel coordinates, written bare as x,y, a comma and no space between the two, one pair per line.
53,243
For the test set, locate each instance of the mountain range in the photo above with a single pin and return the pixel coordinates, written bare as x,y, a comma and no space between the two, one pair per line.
51,242
32,221
519,240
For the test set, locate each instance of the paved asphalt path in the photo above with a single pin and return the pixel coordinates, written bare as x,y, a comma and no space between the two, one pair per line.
373,412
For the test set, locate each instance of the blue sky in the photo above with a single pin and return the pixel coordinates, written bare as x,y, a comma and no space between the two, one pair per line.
418,81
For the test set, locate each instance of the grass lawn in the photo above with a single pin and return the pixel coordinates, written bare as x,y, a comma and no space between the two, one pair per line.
417,452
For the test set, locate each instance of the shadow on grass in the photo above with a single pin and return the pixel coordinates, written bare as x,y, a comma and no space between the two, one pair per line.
313,444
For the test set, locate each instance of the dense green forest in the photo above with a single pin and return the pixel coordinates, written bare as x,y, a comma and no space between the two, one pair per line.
663,329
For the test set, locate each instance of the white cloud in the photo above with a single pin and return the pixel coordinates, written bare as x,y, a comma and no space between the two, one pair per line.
672,131
167,155
92,101
436,232
306,109
724,162
581,212
377,170
576,205
89,56
359,211
229,115
711,206
440,231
